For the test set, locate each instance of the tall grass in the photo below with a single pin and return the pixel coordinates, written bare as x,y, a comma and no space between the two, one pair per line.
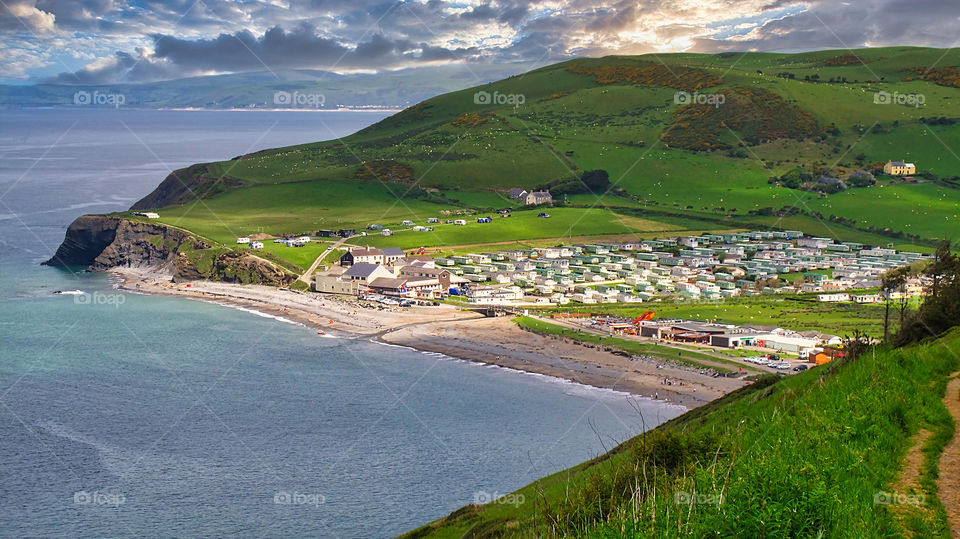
811,455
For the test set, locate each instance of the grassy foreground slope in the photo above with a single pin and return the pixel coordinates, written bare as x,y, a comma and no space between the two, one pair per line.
812,455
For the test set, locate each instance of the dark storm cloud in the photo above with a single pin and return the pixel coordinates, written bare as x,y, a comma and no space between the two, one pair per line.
299,48
122,67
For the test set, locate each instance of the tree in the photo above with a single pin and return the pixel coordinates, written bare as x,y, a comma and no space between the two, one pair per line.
940,311
890,283
943,260
597,181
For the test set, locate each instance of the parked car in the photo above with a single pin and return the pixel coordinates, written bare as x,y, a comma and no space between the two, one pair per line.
799,368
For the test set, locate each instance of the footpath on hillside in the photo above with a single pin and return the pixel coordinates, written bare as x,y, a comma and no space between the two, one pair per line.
948,482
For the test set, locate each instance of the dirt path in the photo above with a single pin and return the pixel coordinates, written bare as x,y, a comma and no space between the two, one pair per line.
308,275
948,483
908,484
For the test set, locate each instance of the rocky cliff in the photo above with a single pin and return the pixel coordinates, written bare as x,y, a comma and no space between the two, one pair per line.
102,242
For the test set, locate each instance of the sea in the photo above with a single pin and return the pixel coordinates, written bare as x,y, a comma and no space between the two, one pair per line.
126,415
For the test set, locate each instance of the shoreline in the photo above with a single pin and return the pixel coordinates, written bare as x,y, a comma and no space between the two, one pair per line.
451,332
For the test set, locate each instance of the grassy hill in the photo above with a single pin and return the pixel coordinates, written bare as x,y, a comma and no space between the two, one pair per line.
819,454
678,159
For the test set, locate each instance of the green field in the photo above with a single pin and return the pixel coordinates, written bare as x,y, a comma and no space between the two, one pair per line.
617,114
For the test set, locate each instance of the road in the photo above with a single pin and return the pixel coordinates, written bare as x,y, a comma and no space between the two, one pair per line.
313,267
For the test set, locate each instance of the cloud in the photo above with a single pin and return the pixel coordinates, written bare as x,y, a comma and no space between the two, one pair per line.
824,24
23,15
154,39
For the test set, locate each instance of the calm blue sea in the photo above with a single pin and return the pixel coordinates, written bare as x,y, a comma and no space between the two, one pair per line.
133,415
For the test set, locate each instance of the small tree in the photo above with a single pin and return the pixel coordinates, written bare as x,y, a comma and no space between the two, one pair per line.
890,282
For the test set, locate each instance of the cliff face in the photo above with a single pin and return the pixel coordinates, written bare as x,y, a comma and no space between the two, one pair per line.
103,242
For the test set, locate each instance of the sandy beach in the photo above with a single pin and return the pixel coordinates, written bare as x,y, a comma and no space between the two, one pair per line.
453,332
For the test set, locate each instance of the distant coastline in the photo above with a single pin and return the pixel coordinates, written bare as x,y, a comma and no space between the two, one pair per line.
10,106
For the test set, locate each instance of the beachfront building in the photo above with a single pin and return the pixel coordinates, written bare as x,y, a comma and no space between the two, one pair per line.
366,272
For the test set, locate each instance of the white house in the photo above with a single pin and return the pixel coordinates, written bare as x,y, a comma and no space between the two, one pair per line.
256,245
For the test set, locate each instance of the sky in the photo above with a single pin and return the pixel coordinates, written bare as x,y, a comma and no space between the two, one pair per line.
113,41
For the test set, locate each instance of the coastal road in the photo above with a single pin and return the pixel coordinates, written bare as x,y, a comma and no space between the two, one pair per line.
313,267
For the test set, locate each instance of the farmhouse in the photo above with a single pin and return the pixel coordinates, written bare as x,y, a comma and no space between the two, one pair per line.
538,197
530,198
899,168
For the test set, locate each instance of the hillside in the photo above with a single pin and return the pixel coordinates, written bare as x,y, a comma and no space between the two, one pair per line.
803,456
669,155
